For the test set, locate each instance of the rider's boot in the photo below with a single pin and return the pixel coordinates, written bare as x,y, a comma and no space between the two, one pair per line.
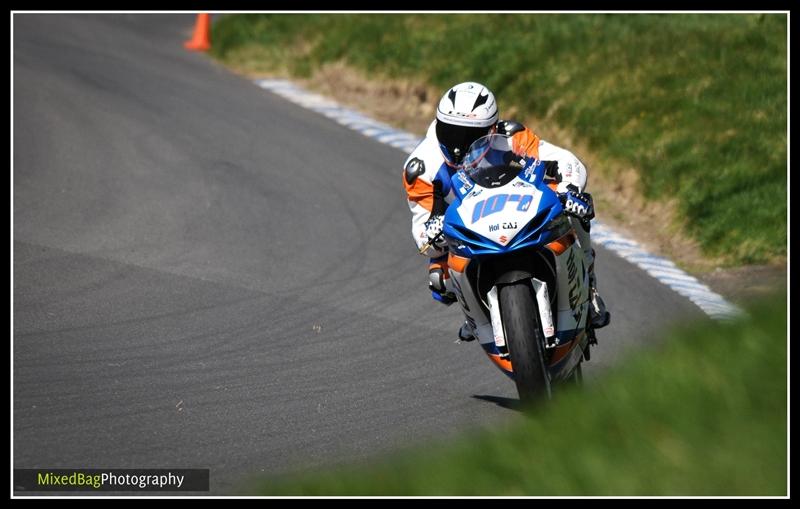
466,332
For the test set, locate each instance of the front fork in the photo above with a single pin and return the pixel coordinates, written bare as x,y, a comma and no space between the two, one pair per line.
570,313
542,305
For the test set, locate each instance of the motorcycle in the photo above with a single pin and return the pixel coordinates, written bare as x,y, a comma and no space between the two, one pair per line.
517,268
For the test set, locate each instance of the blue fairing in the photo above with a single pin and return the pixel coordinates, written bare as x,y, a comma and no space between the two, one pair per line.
466,242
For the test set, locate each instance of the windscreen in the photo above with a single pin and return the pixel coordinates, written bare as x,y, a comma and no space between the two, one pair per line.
491,161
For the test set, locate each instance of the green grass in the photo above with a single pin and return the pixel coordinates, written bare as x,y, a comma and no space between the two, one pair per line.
696,102
704,413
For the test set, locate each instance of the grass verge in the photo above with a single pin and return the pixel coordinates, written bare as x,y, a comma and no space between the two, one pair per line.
695,103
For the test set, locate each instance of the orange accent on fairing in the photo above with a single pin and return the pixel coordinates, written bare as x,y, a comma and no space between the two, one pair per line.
560,245
420,191
553,186
562,350
501,363
457,263
526,142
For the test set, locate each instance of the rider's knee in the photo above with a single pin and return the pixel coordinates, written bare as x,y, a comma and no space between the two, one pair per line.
438,274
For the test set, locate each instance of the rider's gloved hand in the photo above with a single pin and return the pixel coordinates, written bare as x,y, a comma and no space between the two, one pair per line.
578,204
433,229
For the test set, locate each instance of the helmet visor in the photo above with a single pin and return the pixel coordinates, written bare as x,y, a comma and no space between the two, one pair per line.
454,140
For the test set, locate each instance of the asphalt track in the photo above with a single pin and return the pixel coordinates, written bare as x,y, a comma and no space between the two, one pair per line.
208,276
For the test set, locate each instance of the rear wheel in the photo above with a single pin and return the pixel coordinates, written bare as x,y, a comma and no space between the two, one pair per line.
525,341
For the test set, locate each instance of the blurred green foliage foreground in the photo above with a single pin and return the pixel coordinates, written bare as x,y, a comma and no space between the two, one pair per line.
700,412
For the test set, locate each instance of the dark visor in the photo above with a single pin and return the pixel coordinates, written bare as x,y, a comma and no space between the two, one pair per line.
455,140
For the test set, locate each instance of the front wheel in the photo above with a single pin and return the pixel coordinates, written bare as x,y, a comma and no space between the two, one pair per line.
525,341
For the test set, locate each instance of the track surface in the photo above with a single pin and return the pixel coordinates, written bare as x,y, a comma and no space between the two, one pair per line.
208,276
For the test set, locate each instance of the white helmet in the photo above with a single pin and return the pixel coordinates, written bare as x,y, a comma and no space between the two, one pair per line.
465,113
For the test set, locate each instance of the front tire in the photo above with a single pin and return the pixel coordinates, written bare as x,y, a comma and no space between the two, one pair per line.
525,341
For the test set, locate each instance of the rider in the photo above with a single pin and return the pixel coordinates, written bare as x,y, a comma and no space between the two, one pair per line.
465,113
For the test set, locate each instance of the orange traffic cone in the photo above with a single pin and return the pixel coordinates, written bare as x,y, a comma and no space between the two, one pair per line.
202,34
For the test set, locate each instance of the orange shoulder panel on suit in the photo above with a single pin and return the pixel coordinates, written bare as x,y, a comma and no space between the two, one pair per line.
526,142
421,192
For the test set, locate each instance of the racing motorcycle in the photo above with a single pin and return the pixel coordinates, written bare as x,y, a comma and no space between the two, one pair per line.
517,268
